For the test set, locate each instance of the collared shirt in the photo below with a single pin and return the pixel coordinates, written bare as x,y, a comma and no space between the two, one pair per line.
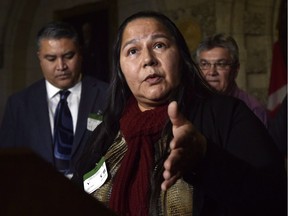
258,109
73,101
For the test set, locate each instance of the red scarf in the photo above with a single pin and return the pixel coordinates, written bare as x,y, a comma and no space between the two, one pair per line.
141,130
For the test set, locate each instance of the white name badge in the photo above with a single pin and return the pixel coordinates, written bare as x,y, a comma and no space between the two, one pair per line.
95,178
93,121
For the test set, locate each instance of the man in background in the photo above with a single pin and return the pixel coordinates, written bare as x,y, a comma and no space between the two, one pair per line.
55,115
218,59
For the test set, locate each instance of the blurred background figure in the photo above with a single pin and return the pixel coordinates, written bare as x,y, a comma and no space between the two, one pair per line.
218,59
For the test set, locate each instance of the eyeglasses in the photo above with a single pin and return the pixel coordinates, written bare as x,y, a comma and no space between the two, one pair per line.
219,65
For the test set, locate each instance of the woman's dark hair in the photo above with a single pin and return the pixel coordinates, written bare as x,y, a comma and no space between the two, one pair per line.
192,83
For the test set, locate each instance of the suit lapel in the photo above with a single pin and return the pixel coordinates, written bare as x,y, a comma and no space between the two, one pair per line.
41,113
88,98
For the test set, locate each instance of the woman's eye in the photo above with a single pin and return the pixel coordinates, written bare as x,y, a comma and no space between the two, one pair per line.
132,51
159,45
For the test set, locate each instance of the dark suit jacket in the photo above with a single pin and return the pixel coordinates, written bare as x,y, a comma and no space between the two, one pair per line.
26,119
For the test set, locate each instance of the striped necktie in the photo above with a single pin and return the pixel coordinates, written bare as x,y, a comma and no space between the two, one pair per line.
63,134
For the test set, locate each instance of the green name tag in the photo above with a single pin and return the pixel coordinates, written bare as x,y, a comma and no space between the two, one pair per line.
96,177
96,116
93,121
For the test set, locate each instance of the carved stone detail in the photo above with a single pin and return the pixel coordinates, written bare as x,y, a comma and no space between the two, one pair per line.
254,23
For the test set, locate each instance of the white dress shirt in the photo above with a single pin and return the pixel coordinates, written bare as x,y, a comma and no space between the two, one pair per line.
73,100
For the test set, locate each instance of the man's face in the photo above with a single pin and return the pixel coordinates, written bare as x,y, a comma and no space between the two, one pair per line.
215,65
60,61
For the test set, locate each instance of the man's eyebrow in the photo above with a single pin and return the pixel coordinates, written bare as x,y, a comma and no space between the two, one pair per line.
54,55
69,53
217,60
49,55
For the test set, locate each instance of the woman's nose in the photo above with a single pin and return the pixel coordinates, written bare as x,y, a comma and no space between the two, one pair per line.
149,59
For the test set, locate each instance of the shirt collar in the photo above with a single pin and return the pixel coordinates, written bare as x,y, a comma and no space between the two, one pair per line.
53,90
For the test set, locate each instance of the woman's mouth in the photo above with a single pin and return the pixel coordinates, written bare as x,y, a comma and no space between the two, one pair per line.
153,79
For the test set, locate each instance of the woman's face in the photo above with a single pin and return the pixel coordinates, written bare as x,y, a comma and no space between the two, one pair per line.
150,62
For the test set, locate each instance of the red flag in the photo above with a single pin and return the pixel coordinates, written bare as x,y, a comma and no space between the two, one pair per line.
278,80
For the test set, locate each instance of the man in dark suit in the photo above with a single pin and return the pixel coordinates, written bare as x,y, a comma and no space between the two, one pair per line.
29,116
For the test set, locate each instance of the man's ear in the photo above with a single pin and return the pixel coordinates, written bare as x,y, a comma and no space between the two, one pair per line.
38,55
